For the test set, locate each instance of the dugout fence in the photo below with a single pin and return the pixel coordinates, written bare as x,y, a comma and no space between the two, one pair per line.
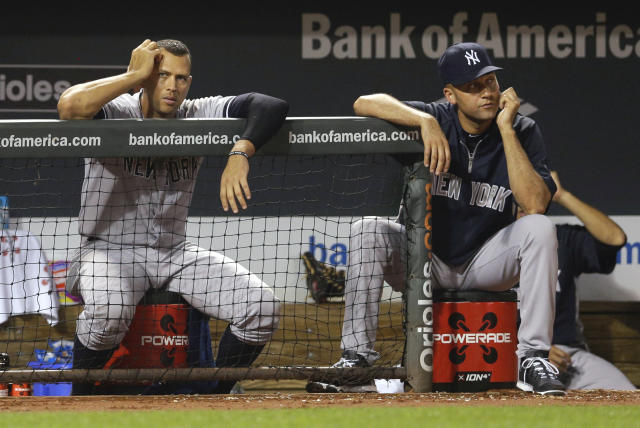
309,183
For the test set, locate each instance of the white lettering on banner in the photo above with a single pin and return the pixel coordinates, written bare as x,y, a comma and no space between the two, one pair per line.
174,139
394,40
14,141
333,136
427,320
27,90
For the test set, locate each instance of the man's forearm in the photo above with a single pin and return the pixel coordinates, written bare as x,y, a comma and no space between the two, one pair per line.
83,101
529,189
386,107
265,116
597,223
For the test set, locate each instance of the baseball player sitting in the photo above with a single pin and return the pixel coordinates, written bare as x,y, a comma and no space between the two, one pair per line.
133,213
484,157
591,248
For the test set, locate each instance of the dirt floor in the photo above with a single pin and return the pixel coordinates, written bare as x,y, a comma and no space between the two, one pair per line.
303,400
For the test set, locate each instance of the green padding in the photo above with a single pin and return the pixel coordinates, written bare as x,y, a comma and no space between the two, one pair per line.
418,295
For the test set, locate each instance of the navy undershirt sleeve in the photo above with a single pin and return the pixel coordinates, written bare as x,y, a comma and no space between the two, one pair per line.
264,114
588,255
422,106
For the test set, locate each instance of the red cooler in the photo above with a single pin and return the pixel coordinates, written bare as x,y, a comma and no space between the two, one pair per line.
475,340
158,336
20,389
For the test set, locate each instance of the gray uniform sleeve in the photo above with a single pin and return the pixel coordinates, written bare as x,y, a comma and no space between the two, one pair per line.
128,107
123,107
206,108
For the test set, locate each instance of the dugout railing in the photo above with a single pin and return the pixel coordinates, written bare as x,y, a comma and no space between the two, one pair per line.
327,172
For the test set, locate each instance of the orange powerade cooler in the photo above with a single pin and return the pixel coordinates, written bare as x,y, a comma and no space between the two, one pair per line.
475,340
158,336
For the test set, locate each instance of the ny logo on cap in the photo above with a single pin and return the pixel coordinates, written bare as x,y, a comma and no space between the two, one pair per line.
471,55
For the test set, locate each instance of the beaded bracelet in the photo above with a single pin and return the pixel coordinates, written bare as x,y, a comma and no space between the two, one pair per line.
239,153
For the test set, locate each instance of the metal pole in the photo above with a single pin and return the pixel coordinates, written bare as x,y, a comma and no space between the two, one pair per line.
323,374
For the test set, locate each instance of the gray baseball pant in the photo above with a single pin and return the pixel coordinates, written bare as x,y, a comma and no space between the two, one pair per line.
588,371
113,279
524,251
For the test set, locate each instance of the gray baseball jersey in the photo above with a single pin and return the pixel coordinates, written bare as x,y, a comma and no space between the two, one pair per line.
133,223
142,201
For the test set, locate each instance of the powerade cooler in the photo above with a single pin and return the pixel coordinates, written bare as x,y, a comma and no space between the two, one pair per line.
158,336
165,332
475,339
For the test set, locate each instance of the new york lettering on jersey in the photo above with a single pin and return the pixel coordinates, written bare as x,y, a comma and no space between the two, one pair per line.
484,195
172,170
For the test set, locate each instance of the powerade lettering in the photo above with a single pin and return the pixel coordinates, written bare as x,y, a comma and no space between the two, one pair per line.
468,338
164,340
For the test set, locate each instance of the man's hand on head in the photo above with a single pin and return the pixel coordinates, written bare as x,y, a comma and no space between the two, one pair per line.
143,59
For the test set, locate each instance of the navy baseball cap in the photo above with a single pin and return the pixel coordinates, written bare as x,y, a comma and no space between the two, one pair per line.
464,62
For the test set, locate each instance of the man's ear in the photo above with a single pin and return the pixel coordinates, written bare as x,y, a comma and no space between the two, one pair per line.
449,94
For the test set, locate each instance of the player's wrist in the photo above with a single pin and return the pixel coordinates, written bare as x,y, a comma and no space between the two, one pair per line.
245,146
136,76
238,153
506,131
561,197
427,120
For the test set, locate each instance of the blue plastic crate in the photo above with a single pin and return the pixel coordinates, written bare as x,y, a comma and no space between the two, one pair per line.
56,389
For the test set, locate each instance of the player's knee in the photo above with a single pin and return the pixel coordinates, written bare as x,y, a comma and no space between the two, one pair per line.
269,312
106,325
106,339
262,318
368,235
540,229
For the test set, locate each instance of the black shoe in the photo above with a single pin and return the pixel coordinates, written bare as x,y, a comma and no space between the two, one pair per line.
322,388
349,359
539,376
